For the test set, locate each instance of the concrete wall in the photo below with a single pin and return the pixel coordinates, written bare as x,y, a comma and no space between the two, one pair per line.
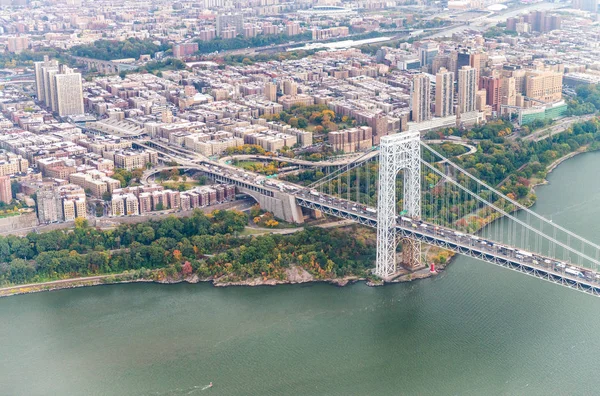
14,223
282,205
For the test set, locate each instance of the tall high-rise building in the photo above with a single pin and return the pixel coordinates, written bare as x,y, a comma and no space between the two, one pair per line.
59,88
290,87
467,87
230,20
50,87
292,28
463,58
271,92
40,71
444,93
440,61
18,44
5,190
537,19
554,22
545,86
493,88
421,98
508,89
69,92
184,49
427,51
49,206
586,5
477,61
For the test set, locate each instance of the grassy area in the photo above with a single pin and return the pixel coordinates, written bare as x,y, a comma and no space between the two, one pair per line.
252,231
9,214
180,185
450,149
267,169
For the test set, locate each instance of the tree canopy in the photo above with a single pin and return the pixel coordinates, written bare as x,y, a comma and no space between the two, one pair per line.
114,49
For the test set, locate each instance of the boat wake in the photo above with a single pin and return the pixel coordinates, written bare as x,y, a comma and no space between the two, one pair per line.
179,391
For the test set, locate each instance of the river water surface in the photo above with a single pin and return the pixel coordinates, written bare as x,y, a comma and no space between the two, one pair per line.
475,329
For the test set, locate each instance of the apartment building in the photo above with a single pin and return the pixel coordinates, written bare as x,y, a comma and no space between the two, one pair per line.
95,181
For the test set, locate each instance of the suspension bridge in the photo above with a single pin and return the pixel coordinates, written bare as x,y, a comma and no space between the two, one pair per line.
441,205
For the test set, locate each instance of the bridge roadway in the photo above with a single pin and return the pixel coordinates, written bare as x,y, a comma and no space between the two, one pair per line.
538,266
344,160
308,164
469,245
280,194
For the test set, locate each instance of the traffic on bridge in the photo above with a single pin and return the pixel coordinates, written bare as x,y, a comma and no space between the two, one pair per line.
566,274
410,227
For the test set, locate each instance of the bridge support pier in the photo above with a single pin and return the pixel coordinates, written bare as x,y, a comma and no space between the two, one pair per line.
316,214
401,151
411,253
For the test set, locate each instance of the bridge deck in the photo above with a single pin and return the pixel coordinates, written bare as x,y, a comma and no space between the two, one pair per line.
491,252
488,251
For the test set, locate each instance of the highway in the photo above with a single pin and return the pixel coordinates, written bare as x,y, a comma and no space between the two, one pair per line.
579,278
426,232
345,160
560,126
483,23
549,269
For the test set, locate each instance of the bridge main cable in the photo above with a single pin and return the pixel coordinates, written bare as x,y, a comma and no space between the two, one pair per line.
517,204
349,166
504,213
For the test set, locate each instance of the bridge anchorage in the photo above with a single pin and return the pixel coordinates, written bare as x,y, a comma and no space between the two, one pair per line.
398,152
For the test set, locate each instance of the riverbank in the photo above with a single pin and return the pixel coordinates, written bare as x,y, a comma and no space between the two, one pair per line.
295,275
550,168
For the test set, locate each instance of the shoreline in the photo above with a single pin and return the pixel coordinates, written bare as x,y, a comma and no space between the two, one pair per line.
340,282
115,279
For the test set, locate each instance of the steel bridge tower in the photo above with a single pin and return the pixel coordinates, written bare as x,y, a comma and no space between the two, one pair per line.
401,151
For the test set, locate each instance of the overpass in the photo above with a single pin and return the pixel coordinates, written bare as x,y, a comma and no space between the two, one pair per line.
341,161
300,162
270,198
104,66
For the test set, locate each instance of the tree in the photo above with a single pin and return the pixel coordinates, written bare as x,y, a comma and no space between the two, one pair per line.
107,196
99,209
302,123
81,223
160,206
255,211
137,174
186,269
271,223
177,255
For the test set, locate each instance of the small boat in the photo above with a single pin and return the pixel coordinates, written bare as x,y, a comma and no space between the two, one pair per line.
210,385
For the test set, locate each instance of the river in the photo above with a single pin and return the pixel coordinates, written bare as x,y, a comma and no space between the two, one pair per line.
475,329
